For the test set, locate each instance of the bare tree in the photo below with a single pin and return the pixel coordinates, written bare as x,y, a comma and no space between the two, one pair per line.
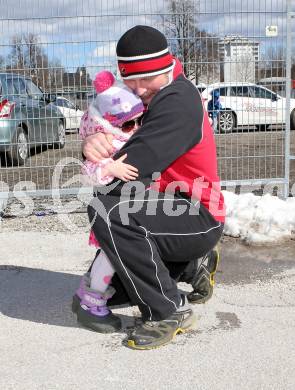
244,68
36,60
56,72
27,57
197,49
273,63
17,55
2,64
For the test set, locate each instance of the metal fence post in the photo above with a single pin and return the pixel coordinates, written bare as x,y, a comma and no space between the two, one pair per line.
288,96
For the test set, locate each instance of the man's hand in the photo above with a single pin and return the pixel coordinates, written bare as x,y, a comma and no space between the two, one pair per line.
121,170
97,146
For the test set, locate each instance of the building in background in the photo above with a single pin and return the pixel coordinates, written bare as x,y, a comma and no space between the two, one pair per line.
239,59
77,83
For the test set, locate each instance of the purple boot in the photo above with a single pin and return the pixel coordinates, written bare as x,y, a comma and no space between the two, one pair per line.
84,282
93,312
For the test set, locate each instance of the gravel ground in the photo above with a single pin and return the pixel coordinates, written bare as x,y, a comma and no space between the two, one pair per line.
235,162
246,154
47,223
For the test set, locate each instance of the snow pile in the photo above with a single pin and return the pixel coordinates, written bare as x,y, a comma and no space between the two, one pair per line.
257,219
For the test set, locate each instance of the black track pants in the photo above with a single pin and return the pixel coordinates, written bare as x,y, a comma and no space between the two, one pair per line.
147,239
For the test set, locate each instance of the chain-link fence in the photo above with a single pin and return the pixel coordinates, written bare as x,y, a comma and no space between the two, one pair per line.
237,53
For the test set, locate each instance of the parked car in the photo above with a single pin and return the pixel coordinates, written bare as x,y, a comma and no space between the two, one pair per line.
71,113
27,118
247,104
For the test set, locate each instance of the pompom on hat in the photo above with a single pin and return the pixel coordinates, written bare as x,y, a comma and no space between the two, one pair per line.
115,101
103,81
142,52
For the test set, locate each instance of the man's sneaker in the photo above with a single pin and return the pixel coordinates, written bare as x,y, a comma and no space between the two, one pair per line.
84,282
154,334
203,281
94,314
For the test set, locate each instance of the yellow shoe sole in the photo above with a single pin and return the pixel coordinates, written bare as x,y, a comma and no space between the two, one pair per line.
212,281
131,344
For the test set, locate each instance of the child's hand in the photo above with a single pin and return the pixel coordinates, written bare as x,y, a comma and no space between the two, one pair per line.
97,146
121,170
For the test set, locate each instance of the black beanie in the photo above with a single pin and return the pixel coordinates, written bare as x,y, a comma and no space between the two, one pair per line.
143,51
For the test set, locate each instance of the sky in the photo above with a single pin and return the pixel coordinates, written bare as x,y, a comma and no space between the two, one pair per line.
85,32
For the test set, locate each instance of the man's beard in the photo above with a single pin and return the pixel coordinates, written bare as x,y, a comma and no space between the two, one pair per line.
146,99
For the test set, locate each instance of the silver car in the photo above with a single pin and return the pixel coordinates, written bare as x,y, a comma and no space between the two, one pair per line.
27,118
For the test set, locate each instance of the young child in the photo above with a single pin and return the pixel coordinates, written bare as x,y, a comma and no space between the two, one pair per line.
116,110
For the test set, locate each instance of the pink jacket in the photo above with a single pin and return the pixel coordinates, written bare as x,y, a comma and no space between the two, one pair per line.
91,123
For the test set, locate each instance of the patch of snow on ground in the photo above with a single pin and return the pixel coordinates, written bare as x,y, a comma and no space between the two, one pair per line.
257,219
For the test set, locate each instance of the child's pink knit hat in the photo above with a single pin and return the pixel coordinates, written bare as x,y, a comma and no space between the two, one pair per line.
115,101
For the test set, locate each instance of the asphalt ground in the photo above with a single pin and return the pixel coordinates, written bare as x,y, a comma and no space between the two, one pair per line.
244,337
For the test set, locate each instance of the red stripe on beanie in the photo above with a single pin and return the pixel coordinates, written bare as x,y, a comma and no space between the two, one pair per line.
148,65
